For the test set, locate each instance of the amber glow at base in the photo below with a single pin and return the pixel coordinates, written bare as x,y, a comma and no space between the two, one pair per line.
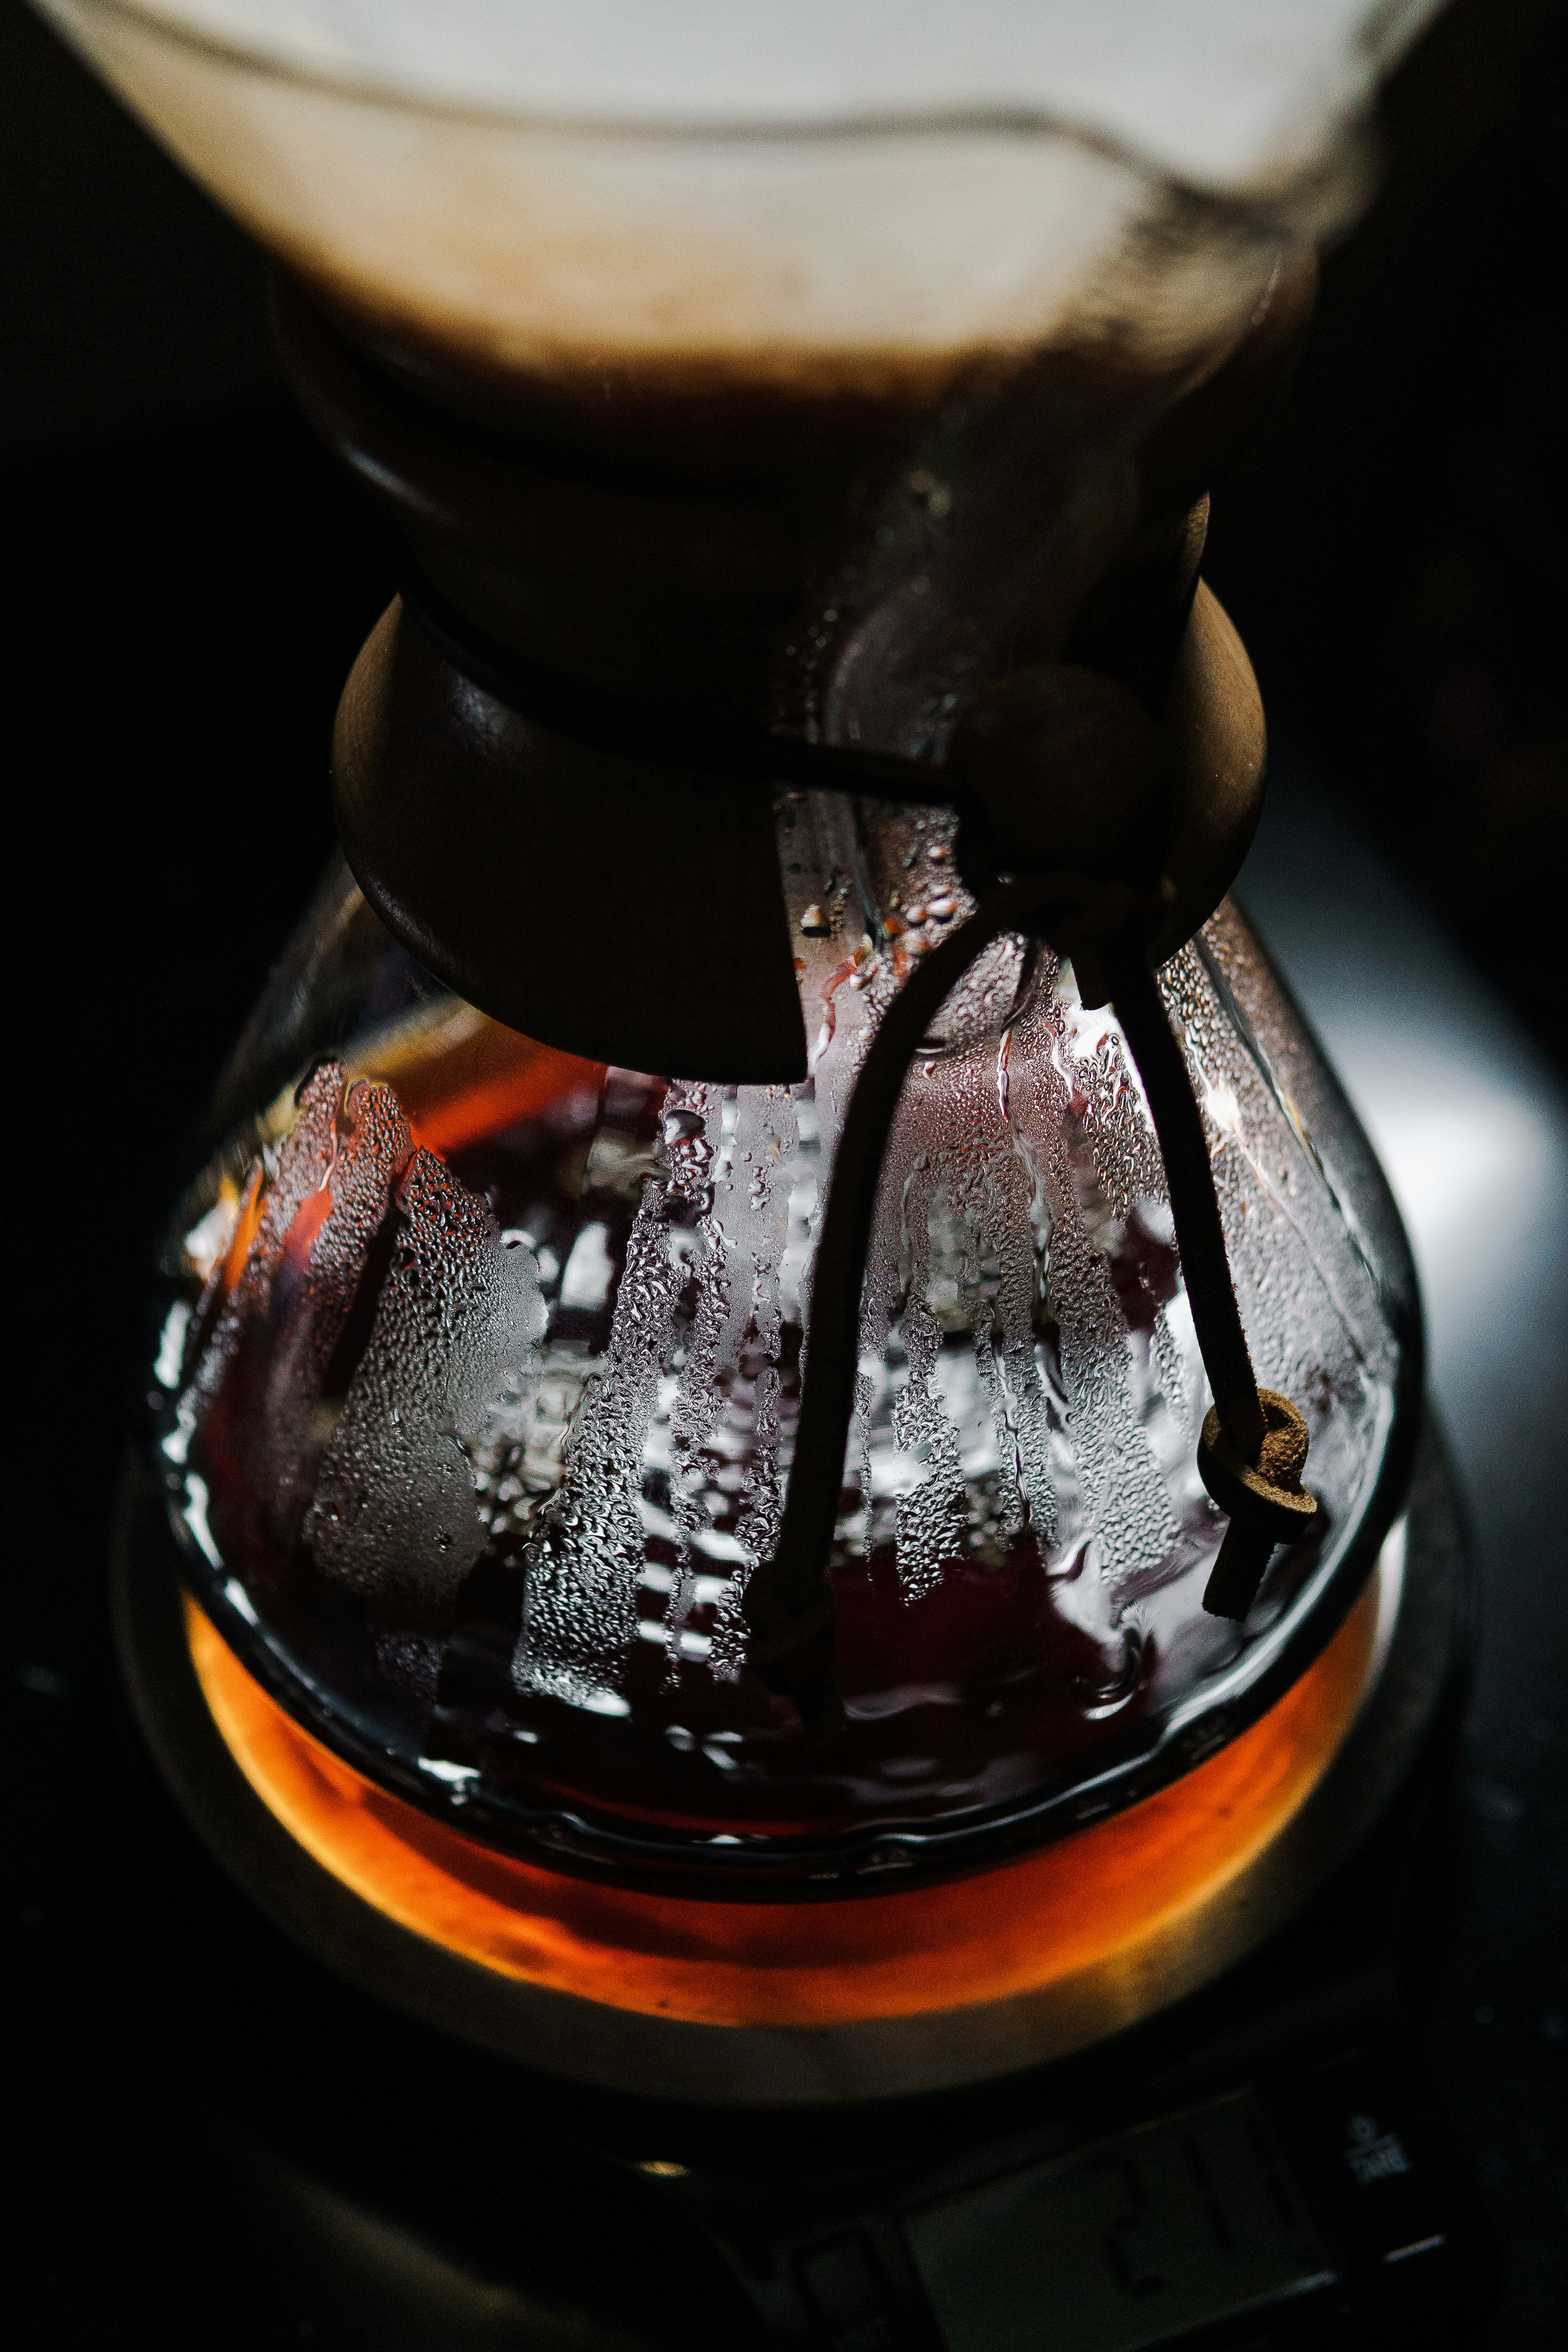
1098,1899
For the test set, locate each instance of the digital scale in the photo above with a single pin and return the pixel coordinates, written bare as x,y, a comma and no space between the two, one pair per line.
1267,2189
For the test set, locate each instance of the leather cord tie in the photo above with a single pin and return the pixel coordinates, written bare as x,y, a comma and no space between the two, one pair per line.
1253,1448
1066,770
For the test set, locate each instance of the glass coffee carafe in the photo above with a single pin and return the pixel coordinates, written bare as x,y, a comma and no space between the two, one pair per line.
481,1365
750,408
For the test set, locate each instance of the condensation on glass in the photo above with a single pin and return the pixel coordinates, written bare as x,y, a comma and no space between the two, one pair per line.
481,1363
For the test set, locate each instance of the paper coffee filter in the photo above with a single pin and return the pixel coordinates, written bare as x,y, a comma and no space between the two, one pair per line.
1226,93
763,186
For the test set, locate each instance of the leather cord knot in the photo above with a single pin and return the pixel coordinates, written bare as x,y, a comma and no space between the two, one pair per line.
1264,1496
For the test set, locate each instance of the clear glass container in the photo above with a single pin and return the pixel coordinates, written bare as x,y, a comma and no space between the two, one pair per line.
822,355
480,1365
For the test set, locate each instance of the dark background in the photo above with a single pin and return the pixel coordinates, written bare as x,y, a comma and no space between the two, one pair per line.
189,579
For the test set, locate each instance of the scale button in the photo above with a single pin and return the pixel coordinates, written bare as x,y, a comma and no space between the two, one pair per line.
848,2294
1373,2153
